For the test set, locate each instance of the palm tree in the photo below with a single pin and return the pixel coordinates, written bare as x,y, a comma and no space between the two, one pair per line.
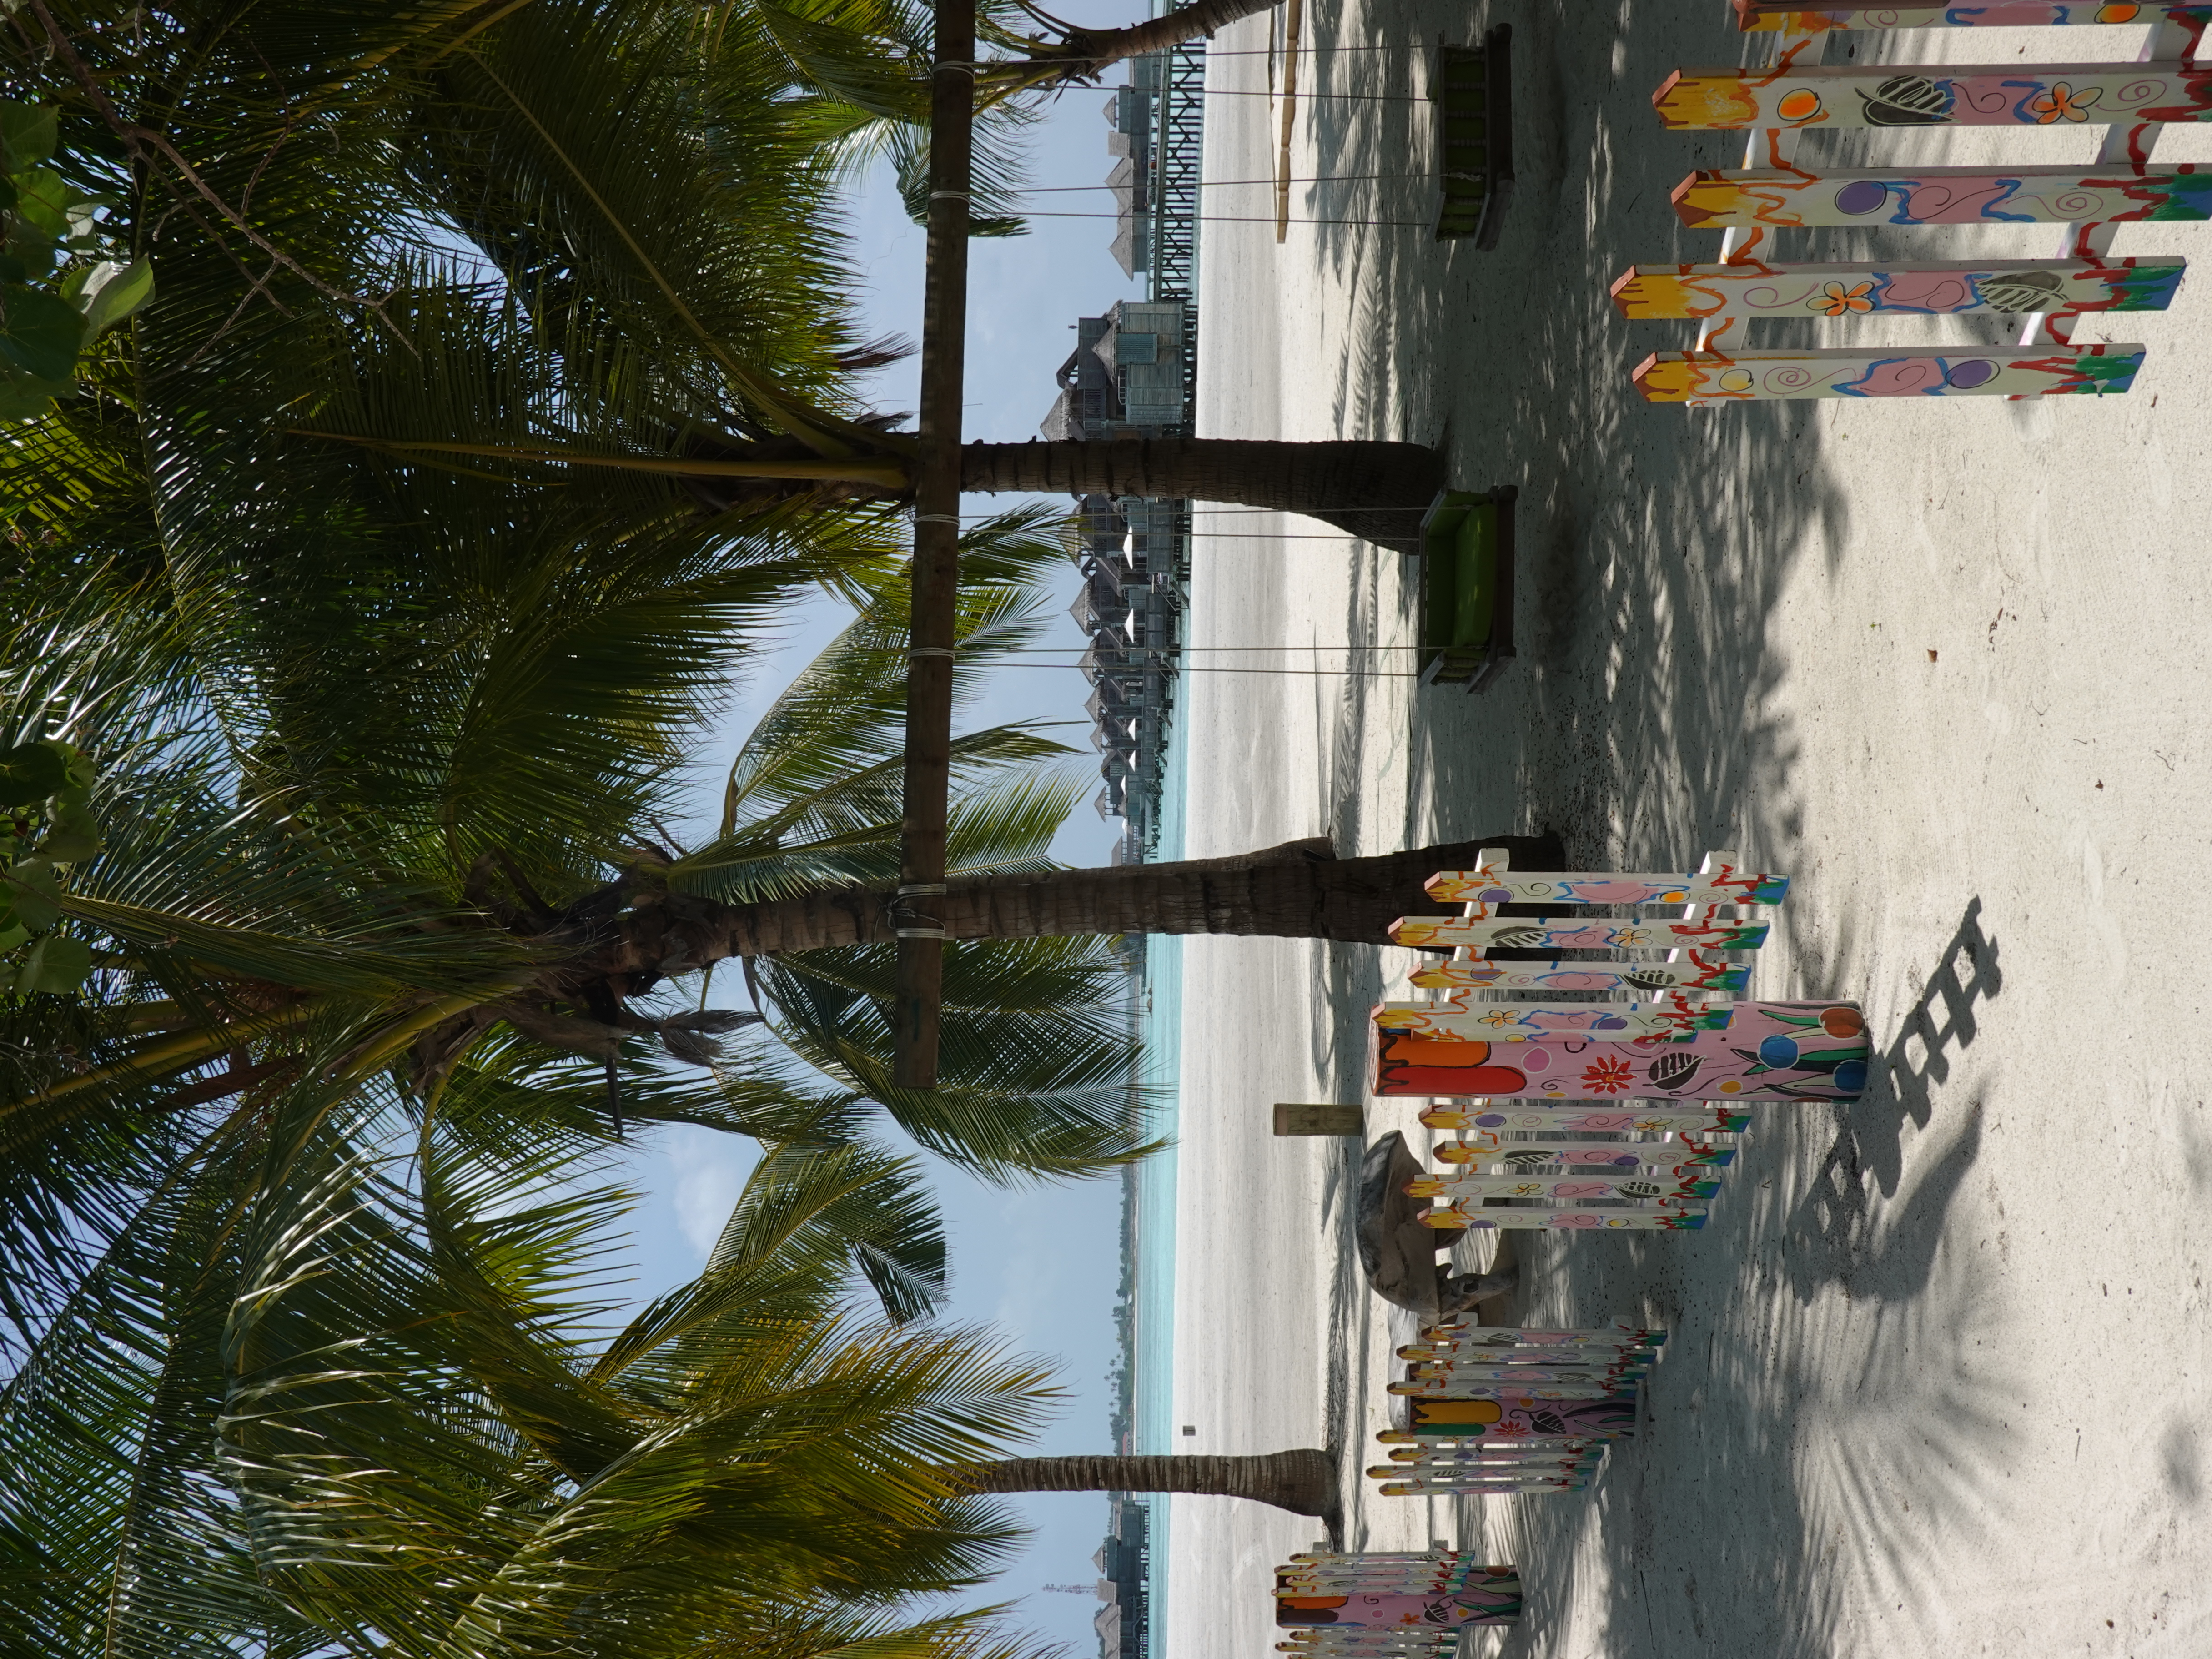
603,167
408,727
425,810
411,860
358,1396
1303,1482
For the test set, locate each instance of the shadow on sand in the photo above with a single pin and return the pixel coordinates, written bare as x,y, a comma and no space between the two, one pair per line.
1655,543
1765,1492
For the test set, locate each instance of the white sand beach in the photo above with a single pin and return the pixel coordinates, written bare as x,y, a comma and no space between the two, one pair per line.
1937,1382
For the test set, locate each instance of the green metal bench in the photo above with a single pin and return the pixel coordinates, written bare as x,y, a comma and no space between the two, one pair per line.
1473,95
1465,604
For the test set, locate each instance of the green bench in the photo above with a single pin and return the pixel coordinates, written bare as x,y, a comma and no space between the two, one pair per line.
1465,604
1473,95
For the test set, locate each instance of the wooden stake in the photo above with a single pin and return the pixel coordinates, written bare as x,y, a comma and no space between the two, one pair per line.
1294,1119
1291,22
936,568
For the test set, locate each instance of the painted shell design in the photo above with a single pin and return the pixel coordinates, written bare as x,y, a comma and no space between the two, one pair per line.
1907,100
1649,982
1670,1072
1520,938
1640,1190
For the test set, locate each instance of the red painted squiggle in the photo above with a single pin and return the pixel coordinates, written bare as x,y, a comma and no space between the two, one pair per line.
1775,158
1742,256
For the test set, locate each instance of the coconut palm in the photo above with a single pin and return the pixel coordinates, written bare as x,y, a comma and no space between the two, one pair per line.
441,839
1303,1482
434,816
410,730
593,158
355,1392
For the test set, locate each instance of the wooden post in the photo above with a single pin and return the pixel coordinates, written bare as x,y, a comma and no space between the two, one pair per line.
1290,24
1722,879
1593,932
1942,371
2176,37
1292,1119
1793,199
936,568
1767,16
1752,290
1934,95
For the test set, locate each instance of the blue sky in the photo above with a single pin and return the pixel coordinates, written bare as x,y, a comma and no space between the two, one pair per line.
1039,1264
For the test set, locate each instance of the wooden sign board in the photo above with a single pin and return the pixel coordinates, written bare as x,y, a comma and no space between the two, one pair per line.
1295,1119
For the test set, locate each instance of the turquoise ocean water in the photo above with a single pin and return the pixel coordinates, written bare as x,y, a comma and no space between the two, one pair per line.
1153,1379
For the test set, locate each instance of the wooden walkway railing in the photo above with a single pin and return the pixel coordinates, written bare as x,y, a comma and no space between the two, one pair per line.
1771,193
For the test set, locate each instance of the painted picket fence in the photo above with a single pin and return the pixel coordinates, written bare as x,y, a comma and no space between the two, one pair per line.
1618,1114
1502,1410
1386,1605
1797,93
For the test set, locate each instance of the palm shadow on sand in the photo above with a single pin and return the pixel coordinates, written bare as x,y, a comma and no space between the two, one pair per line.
1655,545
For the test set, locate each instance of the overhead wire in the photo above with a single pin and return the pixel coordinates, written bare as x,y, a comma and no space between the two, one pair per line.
1176,653
1212,184
1214,512
1233,218
1202,668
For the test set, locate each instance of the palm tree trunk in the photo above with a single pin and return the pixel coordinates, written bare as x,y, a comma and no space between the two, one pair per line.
1099,47
1371,489
1300,890
1303,1482
1366,488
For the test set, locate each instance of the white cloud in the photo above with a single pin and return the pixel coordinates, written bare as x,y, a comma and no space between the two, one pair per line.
709,1171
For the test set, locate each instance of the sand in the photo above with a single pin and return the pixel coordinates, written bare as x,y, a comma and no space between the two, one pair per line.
1937,1372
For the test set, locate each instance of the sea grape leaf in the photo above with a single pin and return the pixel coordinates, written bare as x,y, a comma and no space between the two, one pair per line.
27,132
34,895
33,771
73,835
43,200
107,292
39,333
56,963
25,396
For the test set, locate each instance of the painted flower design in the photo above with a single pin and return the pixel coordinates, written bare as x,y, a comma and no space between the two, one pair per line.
2062,103
1502,1017
1632,938
1609,1076
1834,300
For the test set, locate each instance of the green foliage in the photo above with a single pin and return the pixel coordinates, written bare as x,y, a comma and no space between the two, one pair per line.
45,822
47,320
1035,1076
305,1318
864,64
375,1407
